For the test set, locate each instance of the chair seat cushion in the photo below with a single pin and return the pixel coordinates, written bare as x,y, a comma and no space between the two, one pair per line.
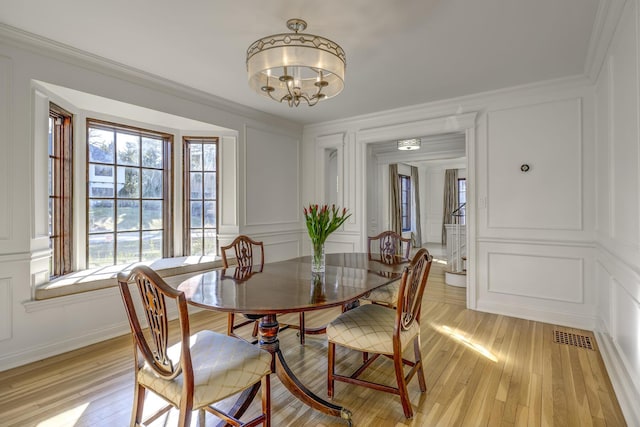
222,366
385,294
369,328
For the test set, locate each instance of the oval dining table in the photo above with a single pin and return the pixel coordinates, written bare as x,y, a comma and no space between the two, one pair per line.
289,287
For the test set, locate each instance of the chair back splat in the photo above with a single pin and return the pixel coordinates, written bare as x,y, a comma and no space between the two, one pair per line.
391,247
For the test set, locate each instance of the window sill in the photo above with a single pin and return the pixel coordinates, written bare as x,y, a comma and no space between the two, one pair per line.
172,269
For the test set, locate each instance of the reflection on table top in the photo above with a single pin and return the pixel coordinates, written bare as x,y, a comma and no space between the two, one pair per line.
289,286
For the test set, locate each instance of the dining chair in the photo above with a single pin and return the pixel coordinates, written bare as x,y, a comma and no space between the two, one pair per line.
387,247
197,371
244,248
375,330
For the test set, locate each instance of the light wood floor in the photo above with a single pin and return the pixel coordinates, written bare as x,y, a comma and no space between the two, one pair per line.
481,370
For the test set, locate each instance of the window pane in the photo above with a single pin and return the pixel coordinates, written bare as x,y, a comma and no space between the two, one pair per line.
151,184
209,157
100,145
50,144
196,214
152,214
128,247
210,185
209,242
151,245
128,215
101,215
195,186
100,250
152,156
128,182
128,149
196,242
209,214
196,157
101,184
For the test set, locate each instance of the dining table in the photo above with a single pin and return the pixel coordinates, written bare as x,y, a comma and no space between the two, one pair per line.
284,287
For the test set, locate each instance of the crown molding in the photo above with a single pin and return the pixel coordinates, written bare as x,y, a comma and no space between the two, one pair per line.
604,28
41,45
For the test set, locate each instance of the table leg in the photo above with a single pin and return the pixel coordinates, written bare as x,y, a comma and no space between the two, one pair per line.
269,341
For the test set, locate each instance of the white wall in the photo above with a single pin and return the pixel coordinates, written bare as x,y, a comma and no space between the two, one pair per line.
617,258
31,330
432,196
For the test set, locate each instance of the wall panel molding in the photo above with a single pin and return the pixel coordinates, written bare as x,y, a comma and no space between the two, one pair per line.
6,98
535,276
6,309
526,134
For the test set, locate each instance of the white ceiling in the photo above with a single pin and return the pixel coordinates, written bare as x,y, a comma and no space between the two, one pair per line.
399,53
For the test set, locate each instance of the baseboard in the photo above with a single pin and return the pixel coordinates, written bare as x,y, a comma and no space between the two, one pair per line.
557,318
627,393
33,354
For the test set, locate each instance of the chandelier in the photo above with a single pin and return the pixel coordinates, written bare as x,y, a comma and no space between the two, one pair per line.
409,144
295,67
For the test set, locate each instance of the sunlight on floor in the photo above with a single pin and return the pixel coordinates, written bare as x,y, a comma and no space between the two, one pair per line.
67,418
446,330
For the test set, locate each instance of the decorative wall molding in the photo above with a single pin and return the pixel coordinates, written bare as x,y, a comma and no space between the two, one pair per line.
6,97
432,126
627,394
545,127
47,47
6,309
604,27
553,273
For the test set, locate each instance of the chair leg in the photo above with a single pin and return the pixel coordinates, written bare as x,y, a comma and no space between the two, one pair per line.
184,419
331,357
418,358
255,328
138,403
231,319
201,418
301,328
402,386
266,400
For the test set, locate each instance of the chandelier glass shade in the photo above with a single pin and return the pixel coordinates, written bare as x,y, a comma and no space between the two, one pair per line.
296,67
409,144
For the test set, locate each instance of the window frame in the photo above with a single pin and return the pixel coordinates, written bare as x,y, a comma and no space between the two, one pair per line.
167,214
405,202
462,219
187,141
60,191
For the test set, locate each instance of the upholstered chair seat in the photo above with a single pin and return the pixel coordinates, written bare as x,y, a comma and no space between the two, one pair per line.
386,295
222,367
369,328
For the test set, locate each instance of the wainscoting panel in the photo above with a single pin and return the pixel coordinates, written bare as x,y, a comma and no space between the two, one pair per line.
6,311
626,318
554,278
551,282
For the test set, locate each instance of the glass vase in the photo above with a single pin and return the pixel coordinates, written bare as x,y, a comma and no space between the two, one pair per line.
317,258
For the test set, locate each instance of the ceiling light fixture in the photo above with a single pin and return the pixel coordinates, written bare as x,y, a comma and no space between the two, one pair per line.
409,144
296,67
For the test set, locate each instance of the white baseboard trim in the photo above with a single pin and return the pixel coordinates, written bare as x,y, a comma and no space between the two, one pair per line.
557,318
628,395
33,354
